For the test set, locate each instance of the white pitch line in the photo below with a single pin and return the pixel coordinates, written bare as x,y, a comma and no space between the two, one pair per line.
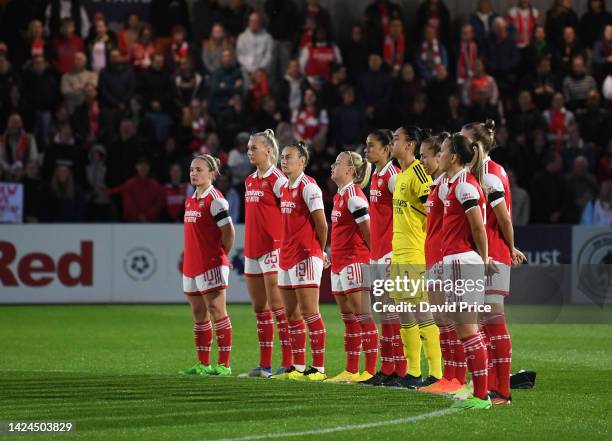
411,419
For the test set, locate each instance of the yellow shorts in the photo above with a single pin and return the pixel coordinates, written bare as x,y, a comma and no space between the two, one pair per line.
411,270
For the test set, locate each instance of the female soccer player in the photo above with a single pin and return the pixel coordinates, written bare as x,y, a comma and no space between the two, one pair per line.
378,152
209,236
500,235
465,251
408,260
455,365
302,260
263,226
350,255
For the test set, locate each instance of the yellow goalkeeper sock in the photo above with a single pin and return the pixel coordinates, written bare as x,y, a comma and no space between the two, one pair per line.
412,347
431,346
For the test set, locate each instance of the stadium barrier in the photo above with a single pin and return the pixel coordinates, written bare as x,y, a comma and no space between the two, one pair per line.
130,263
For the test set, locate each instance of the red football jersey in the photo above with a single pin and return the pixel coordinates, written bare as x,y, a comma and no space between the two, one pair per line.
347,244
464,194
299,239
262,216
381,208
203,218
434,207
498,189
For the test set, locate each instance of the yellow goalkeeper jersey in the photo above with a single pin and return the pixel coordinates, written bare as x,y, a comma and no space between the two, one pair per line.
409,219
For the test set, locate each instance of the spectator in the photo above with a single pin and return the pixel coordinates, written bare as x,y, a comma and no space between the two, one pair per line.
355,54
598,212
98,198
482,109
574,147
282,19
602,54
9,80
331,91
64,148
34,194
16,144
198,122
225,82
378,18
538,49
222,183
127,37
558,118
66,46
523,19
86,120
176,192
317,58
310,123
439,87
41,91
123,153
204,15
99,45
292,87
142,196
66,201
348,121
376,88
166,16
314,17
268,116
394,50
116,83
178,50
420,114
502,57
189,84
468,53
405,88
232,120
582,187
520,202
482,22
542,83
593,22
61,9
434,14
595,122
431,53
565,53
604,168
235,16
480,82
254,47
213,47
34,44
526,118
558,17
73,82
141,53
454,117
577,84
259,89
238,160
284,133
548,192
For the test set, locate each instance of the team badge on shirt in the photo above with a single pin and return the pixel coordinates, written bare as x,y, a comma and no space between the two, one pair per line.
264,184
341,203
380,182
294,193
201,204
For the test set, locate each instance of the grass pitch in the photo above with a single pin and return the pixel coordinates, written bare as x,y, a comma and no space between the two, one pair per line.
111,369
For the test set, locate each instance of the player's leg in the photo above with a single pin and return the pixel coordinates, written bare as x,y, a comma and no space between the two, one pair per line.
203,333
216,304
352,338
256,288
308,300
297,332
275,302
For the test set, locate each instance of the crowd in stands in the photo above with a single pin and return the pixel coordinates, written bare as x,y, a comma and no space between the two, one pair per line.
100,124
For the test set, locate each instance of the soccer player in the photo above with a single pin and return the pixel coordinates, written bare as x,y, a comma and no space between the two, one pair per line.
350,255
209,236
408,260
455,365
500,235
302,260
465,253
377,151
263,226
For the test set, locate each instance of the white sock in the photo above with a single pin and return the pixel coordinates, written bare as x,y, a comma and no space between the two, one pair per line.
299,367
320,369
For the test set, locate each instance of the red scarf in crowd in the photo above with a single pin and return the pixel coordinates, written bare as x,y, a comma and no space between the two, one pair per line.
557,127
180,51
22,147
94,119
430,54
384,17
394,51
467,56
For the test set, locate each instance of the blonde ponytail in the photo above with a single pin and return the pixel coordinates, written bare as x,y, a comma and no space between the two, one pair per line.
270,142
362,167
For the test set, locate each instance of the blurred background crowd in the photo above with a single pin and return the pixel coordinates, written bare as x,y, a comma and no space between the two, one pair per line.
100,122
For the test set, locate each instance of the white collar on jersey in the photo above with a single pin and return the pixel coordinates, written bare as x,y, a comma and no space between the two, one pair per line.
206,192
439,179
486,159
297,181
341,190
458,175
385,168
267,173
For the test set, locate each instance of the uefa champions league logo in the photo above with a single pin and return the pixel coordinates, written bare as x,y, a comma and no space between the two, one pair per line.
140,264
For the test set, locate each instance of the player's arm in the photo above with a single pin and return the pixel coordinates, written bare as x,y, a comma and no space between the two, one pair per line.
219,209
420,185
469,198
228,234
359,210
313,197
318,217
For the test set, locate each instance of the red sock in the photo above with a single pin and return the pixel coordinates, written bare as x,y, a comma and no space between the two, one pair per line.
446,345
297,337
203,338
460,360
265,334
477,364
352,342
501,352
317,335
369,341
401,364
223,329
283,336
491,374
386,349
